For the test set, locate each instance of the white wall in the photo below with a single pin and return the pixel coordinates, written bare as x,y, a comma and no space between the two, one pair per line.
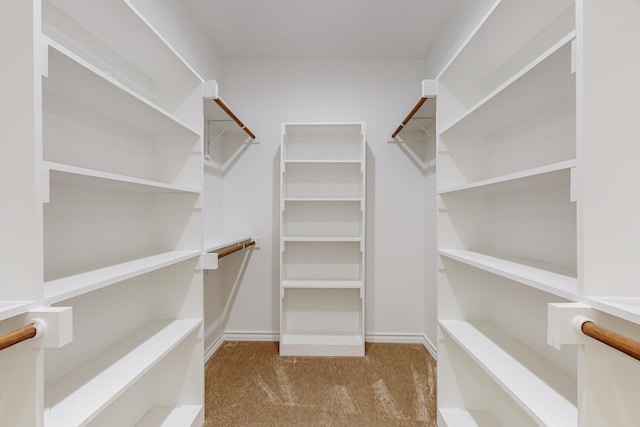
265,93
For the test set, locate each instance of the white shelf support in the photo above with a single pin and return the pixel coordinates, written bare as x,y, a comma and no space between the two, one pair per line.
561,323
54,325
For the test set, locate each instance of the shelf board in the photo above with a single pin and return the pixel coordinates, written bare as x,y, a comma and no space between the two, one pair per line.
454,417
309,161
80,81
322,199
11,308
322,284
322,239
501,181
532,85
71,174
76,398
78,284
321,345
223,242
538,387
554,283
172,416
627,308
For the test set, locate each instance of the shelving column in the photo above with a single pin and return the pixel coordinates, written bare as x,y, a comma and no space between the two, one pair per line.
322,253
507,243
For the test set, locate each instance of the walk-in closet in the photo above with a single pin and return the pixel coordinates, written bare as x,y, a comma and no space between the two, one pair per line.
340,213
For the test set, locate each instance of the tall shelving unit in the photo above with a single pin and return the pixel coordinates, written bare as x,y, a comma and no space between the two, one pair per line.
507,219
322,253
119,157
520,109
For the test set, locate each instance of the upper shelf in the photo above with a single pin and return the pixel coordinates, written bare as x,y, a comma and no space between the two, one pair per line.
547,172
79,81
160,74
61,173
544,81
488,59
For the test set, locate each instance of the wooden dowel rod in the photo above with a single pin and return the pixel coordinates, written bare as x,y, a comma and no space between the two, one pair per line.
17,335
612,339
409,116
236,248
235,118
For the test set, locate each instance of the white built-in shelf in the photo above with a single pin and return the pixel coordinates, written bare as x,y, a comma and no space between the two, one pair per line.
562,285
542,173
322,239
545,392
10,308
160,73
322,199
79,284
328,162
321,345
79,396
627,308
543,82
322,284
223,242
454,417
72,174
79,81
172,416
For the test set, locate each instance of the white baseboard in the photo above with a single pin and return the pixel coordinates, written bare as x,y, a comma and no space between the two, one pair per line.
269,336
403,339
214,347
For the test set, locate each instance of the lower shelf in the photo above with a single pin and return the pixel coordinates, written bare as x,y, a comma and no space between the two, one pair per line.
543,391
78,397
169,416
321,345
453,417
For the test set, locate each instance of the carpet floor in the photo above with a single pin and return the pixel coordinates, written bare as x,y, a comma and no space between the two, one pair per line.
249,384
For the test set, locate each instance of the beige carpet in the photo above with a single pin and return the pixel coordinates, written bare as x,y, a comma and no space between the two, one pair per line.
249,384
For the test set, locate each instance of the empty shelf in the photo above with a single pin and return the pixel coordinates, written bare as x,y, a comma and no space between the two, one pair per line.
321,345
532,83
10,308
322,239
169,416
79,396
78,284
322,284
73,174
501,181
627,308
546,393
554,283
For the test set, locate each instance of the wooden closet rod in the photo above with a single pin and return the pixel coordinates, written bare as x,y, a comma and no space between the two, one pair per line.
235,118
231,249
612,339
18,335
409,116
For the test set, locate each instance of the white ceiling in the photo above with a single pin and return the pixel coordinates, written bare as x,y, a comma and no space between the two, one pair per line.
322,29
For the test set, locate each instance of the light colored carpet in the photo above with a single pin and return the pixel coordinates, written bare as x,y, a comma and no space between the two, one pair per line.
249,384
